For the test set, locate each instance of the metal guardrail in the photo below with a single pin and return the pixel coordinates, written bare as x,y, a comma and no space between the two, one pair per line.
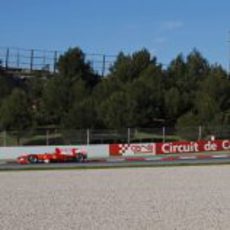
92,136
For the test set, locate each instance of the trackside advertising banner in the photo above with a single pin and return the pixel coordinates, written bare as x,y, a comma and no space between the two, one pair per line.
192,147
131,149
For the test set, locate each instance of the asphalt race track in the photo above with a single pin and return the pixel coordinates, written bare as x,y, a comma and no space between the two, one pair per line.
117,163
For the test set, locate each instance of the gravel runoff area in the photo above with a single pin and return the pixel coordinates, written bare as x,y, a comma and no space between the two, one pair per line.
196,197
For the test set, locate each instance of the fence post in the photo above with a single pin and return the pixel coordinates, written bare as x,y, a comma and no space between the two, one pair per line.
47,137
163,133
44,60
4,138
88,136
200,133
103,66
128,135
18,59
55,62
31,60
7,58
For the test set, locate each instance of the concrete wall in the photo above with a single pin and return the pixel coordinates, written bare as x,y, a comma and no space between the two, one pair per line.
94,151
116,150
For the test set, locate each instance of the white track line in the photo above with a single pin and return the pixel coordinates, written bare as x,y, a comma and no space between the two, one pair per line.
220,156
187,157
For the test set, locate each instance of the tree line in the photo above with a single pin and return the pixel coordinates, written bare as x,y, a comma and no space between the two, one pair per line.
137,92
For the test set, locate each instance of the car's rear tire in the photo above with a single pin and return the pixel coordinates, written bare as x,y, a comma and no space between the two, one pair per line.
84,157
80,157
33,159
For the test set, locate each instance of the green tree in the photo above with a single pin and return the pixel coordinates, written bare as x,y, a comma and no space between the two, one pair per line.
121,67
173,103
15,111
177,73
187,126
79,91
153,94
197,65
183,80
73,66
106,87
127,68
82,115
56,100
206,107
34,89
7,84
114,111
212,97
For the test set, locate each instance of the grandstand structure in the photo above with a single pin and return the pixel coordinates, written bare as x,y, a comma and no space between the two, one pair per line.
22,62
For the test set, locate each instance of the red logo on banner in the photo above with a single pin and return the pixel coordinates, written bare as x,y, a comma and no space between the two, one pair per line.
130,149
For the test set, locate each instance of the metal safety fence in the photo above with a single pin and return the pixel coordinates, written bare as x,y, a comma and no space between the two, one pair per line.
56,136
25,61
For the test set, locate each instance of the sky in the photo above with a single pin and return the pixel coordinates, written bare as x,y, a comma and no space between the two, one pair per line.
165,27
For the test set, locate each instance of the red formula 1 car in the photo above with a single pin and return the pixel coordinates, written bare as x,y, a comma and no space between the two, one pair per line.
59,155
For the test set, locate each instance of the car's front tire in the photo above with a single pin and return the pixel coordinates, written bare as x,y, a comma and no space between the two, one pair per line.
33,159
80,158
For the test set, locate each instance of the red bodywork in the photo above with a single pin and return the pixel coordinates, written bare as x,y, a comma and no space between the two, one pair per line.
59,155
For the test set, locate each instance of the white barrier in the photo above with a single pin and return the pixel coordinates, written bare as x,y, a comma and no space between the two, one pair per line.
93,151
